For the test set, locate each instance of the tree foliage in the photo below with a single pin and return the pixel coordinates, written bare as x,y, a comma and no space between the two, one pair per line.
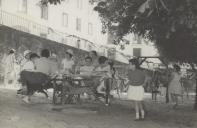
170,24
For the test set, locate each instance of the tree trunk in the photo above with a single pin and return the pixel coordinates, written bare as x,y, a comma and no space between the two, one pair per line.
167,86
193,68
195,104
167,95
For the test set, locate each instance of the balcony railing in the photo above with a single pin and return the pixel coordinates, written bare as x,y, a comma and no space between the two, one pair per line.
28,26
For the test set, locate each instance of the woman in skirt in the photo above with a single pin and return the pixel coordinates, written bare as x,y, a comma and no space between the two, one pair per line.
136,79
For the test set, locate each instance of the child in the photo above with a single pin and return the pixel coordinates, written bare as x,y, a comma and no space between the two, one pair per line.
68,63
29,65
103,70
136,79
88,67
87,70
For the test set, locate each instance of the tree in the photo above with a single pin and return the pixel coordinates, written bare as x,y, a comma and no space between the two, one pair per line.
170,24
167,24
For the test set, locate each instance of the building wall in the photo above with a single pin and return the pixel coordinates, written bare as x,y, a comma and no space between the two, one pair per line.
53,28
54,22
21,41
147,48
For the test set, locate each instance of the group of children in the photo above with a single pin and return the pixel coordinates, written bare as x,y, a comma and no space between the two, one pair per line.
93,65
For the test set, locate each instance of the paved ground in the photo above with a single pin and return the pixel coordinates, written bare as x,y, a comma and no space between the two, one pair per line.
42,114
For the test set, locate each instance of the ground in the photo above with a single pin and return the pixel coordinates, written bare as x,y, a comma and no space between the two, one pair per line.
120,114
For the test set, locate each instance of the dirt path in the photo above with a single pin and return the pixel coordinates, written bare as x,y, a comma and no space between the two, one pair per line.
42,114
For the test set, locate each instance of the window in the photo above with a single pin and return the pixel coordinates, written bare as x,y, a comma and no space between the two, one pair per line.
22,6
78,43
90,29
79,4
136,52
65,19
78,24
44,12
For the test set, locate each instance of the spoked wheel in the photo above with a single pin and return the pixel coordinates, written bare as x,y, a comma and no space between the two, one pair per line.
66,97
57,94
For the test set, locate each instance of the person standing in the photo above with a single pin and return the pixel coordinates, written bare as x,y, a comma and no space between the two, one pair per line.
9,74
135,92
175,88
88,68
68,62
93,54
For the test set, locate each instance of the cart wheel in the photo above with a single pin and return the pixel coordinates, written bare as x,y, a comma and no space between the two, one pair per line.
57,94
66,98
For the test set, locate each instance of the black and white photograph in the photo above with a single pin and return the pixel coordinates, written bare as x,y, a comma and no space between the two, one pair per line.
98,63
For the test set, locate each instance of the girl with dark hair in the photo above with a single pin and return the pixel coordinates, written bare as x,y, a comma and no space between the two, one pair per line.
103,70
175,88
93,54
68,63
135,93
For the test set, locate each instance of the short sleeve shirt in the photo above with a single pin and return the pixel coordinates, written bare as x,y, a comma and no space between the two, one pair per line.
67,64
136,77
86,69
45,65
28,66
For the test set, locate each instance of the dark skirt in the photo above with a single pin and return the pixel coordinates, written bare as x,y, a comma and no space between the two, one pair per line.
35,81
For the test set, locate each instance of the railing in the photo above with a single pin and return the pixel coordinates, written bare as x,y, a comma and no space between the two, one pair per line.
28,26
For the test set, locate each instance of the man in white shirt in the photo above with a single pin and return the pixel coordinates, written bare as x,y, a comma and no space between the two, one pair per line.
45,65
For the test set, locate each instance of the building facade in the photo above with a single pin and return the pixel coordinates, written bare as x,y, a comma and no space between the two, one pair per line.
134,46
73,22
